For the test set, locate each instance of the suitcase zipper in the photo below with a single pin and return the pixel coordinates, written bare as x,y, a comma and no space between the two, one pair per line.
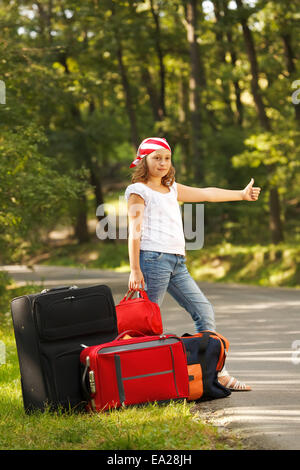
134,345
46,291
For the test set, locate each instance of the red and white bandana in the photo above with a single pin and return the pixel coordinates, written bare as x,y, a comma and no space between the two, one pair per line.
148,146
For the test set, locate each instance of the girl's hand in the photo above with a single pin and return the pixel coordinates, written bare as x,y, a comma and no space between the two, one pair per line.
135,279
250,193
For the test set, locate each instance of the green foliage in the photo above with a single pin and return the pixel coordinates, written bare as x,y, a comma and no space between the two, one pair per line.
268,265
276,152
4,282
274,161
33,193
85,81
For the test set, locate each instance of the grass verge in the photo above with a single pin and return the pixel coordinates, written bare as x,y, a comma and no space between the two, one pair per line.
262,265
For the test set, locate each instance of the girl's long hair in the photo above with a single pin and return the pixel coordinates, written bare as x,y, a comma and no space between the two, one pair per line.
141,174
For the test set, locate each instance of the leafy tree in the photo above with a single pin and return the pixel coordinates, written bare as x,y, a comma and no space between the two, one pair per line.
86,81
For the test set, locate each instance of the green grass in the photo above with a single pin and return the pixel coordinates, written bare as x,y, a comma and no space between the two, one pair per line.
268,265
151,427
98,255
176,426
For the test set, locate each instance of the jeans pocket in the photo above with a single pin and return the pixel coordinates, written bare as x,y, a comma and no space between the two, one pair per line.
152,255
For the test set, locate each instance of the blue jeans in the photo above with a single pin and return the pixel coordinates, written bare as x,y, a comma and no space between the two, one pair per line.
167,272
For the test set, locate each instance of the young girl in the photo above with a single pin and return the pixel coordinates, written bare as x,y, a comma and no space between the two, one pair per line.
156,240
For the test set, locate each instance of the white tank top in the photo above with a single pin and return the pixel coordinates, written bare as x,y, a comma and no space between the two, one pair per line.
162,227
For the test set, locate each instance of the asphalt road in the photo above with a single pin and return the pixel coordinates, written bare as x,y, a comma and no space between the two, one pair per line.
263,327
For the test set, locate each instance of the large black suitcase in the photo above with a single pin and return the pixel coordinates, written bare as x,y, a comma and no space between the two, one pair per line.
49,328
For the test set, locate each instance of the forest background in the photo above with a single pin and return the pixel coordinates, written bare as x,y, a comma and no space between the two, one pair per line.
82,83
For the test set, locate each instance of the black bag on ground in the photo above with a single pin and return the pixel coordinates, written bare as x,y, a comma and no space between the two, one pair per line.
49,329
206,355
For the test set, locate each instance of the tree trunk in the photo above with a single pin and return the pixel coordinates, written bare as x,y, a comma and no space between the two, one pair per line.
274,201
156,94
233,55
196,82
45,17
135,140
289,56
222,57
250,47
183,116
154,101
288,51
162,73
81,226
275,220
97,184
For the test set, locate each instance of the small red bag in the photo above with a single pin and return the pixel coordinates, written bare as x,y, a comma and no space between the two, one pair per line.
139,314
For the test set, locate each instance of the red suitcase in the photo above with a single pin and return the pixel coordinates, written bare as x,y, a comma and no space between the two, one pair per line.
133,371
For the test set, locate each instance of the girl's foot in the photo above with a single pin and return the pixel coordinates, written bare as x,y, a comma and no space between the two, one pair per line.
233,384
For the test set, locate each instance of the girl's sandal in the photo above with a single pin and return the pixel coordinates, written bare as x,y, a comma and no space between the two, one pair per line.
233,384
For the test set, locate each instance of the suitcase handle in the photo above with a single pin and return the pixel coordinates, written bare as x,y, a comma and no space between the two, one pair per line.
84,388
127,332
130,294
44,291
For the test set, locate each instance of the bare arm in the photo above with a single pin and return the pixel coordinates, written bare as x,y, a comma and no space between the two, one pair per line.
190,194
136,207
